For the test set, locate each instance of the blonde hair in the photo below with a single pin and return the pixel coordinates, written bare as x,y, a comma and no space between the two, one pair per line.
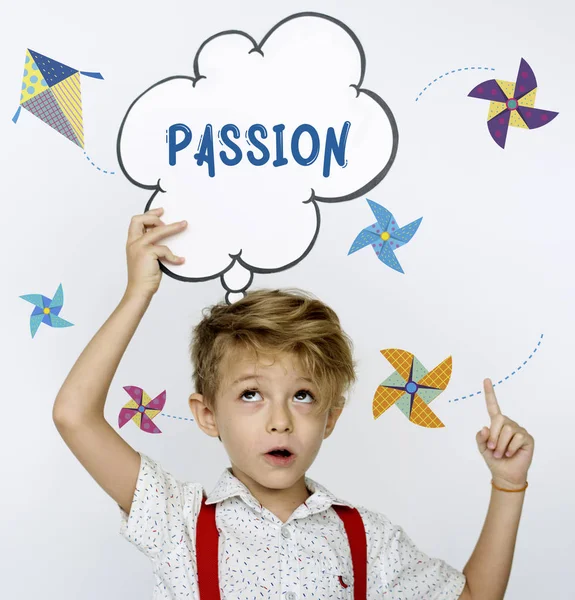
275,321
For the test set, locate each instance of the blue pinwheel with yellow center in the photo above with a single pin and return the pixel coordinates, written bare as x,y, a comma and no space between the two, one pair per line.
47,310
385,236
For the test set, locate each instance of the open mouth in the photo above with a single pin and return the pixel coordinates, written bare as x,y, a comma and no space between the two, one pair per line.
284,453
281,457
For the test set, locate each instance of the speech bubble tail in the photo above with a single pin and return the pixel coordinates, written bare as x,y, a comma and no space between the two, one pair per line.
236,281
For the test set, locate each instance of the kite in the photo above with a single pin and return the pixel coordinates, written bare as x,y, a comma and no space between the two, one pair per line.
46,310
411,388
51,91
512,104
385,236
141,409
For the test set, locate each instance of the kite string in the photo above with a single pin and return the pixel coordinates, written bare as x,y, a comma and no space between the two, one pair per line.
508,376
449,73
163,414
101,170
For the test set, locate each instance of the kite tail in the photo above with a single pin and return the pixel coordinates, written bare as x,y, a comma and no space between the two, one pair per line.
94,75
15,117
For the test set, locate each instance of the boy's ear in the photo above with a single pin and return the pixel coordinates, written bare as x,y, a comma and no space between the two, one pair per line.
204,417
332,417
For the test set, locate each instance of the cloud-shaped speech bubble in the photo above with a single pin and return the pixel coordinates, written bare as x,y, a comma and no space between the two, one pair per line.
247,148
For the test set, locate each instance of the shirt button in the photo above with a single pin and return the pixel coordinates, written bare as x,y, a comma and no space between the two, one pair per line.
291,596
287,534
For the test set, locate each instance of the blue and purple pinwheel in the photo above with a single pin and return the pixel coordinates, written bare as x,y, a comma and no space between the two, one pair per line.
384,236
512,104
46,310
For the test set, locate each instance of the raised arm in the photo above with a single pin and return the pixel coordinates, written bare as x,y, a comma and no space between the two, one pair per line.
78,411
508,451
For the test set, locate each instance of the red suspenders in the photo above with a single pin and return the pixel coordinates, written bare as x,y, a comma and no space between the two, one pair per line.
207,558
207,554
355,530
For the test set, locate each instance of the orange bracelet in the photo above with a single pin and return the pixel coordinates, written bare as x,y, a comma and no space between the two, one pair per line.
503,490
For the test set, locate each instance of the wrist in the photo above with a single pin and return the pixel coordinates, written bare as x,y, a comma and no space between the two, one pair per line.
510,486
137,296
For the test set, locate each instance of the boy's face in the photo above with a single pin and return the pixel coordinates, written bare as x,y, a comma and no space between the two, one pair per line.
260,406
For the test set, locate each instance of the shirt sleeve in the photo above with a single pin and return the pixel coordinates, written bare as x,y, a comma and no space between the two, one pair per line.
159,509
406,572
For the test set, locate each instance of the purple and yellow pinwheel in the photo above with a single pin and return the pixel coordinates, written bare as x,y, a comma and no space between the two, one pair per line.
384,236
512,104
141,409
46,310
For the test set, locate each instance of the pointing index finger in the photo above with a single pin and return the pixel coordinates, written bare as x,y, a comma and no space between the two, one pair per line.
491,400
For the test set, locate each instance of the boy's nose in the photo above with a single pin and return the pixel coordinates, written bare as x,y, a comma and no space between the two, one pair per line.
280,419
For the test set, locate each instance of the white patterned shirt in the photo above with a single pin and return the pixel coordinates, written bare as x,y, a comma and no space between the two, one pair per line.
261,558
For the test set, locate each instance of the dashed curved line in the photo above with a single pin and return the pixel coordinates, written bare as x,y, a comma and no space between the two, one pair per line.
449,73
175,417
508,376
97,167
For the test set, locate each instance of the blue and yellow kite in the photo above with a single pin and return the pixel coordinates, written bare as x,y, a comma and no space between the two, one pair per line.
51,91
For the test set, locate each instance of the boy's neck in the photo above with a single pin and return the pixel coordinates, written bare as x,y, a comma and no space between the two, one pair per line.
280,502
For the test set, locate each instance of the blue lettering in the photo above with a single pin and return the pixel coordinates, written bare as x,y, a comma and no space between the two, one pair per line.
314,145
338,148
205,152
280,160
258,162
173,146
334,146
230,162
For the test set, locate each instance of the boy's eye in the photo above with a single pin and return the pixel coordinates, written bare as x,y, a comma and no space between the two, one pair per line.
249,395
306,393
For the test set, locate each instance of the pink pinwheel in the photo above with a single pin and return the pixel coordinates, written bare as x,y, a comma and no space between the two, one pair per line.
141,409
512,104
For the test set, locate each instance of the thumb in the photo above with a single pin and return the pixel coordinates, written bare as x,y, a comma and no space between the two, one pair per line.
165,253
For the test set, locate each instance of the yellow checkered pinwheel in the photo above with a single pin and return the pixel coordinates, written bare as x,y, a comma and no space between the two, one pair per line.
411,388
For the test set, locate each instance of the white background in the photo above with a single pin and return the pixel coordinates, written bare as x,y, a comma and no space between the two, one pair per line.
488,272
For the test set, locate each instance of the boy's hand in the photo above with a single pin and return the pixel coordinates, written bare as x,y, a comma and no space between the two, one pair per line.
144,274
506,447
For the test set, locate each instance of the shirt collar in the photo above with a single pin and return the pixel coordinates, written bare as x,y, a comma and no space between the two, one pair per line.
229,485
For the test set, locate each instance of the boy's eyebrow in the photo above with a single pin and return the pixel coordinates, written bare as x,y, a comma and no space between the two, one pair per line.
253,376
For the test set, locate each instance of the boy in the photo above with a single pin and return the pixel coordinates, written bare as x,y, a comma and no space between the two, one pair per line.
270,375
